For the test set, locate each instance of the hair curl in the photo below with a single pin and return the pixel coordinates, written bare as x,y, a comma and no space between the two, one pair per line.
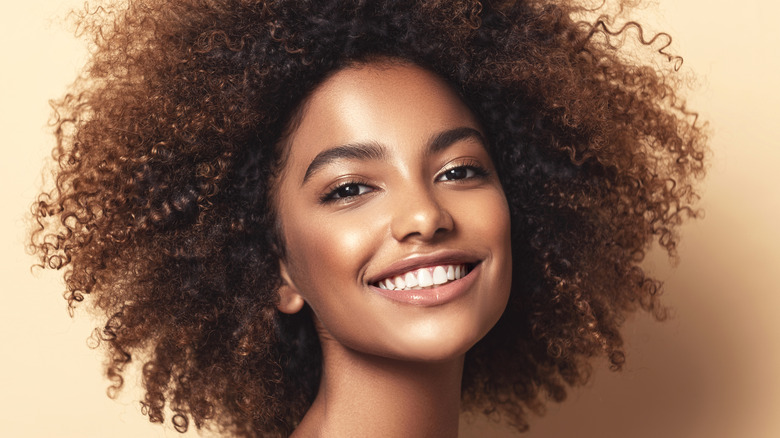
168,143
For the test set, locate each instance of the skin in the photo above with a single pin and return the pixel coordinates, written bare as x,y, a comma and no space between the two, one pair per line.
417,188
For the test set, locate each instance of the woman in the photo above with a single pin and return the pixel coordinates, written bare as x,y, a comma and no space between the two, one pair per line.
330,218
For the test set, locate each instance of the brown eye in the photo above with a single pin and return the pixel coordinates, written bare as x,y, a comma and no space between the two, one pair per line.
348,190
463,171
457,173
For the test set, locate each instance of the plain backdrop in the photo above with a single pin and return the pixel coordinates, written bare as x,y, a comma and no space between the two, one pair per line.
712,371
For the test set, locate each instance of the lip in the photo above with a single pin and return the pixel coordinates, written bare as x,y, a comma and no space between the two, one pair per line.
434,296
418,261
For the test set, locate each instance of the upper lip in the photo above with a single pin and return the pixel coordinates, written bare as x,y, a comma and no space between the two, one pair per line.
417,261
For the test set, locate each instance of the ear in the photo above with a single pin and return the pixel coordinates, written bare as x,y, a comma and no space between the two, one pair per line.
290,300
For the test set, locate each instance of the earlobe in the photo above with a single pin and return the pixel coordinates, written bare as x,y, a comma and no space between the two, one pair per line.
290,301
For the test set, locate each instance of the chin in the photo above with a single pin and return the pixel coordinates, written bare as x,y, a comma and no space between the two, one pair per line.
435,343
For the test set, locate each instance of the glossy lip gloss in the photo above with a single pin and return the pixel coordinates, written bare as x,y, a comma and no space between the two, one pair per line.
434,296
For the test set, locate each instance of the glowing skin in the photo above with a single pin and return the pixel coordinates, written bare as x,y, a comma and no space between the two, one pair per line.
387,178
404,207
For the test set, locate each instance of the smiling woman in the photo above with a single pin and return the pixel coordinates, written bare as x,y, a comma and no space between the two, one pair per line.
397,209
335,218
410,196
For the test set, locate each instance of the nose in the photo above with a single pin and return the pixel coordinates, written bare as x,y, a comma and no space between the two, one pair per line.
419,215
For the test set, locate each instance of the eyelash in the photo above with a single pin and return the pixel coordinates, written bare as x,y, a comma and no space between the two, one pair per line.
479,172
330,196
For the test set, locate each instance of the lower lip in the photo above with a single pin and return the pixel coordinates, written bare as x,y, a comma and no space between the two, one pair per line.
434,296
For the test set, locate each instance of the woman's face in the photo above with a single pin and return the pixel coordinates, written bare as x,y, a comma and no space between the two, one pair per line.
387,184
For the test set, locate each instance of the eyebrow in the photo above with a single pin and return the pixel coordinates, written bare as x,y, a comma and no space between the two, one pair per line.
447,138
352,151
373,150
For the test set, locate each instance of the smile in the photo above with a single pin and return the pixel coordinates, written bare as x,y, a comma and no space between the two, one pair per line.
436,284
423,278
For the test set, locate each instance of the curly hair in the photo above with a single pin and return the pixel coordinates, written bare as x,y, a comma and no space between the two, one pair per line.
168,142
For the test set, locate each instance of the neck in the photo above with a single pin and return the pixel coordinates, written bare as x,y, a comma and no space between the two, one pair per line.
365,395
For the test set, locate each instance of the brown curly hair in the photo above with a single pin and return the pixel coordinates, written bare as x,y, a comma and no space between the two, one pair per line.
167,144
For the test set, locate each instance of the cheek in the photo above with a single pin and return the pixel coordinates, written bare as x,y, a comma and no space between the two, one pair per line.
328,250
326,257
485,215
487,222
495,213
499,228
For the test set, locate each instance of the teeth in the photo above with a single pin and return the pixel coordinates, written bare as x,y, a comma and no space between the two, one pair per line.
411,280
439,275
424,278
399,282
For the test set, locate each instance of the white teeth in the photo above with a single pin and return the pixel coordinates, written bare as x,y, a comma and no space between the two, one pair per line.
439,275
410,280
425,278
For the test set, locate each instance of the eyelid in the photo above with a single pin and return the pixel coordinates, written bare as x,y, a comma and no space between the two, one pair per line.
330,191
328,195
480,170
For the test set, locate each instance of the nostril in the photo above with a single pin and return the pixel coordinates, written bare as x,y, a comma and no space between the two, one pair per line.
424,223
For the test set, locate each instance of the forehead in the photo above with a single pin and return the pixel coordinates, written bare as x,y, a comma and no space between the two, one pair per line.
397,105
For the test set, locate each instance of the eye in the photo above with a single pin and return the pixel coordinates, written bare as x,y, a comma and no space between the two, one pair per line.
457,173
347,190
462,172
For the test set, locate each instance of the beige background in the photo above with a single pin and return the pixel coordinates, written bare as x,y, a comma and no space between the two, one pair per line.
711,372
